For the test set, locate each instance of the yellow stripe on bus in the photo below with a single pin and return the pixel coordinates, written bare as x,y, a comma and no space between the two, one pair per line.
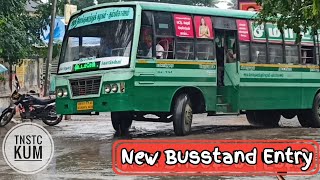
280,65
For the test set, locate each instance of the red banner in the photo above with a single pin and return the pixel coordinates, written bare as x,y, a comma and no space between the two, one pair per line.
183,25
215,157
243,30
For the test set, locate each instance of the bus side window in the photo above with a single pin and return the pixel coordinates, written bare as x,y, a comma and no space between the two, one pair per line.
244,52
185,49
205,50
292,55
259,53
307,55
163,23
164,35
164,48
275,53
146,36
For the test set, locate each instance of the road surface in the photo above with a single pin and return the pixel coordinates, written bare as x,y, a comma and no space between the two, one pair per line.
83,145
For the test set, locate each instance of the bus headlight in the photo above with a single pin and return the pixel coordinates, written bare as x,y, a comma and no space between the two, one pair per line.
107,89
114,88
65,92
122,87
59,93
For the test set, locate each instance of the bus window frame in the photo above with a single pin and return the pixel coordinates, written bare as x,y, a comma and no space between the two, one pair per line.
196,40
266,55
249,42
65,40
276,44
156,36
177,38
235,32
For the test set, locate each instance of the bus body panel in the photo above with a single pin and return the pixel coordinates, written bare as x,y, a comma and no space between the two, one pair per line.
273,87
151,84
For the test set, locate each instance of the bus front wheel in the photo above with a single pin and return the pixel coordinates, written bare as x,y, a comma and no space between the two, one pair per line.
182,115
263,118
121,121
311,118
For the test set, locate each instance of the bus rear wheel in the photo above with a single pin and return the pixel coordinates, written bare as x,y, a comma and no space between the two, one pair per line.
263,118
311,118
182,115
121,121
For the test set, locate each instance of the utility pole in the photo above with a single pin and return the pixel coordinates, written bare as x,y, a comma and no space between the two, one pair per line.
50,45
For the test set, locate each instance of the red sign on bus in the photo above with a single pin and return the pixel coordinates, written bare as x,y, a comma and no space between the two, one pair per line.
183,25
243,30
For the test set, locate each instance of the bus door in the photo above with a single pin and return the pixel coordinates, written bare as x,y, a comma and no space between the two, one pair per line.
226,53
228,78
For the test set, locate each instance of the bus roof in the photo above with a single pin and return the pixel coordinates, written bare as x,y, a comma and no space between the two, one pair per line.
180,9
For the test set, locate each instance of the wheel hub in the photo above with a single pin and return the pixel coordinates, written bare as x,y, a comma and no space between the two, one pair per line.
188,116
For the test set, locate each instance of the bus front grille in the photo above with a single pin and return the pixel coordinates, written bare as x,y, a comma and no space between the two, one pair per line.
86,86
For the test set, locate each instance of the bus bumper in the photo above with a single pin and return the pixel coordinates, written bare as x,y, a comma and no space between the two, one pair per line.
104,103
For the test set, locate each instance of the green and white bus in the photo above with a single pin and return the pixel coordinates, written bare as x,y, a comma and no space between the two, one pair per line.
172,61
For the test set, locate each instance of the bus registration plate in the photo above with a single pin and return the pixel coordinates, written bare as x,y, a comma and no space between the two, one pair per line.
86,105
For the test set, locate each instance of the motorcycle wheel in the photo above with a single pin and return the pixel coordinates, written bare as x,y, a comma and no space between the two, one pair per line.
5,118
52,122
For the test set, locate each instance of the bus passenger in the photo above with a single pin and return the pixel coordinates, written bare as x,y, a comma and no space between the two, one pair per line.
159,51
231,54
145,42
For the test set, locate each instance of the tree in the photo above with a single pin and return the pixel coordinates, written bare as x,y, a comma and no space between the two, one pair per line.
15,31
294,14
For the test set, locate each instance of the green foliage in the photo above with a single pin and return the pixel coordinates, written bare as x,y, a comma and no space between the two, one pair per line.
295,14
16,30
2,78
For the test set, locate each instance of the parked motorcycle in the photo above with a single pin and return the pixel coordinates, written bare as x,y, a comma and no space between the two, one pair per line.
30,107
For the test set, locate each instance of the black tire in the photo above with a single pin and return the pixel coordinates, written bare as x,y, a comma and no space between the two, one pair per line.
5,118
52,122
263,118
182,115
304,118
311,118
121,121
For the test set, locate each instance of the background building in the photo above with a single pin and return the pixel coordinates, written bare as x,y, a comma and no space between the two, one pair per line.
248,5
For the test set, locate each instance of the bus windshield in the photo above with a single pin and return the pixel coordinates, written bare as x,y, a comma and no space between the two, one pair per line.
94,46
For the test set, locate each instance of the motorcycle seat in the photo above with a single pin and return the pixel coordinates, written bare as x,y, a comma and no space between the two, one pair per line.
41,101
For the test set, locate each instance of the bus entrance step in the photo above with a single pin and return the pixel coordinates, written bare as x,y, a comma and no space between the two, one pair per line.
223,108
223,114
220,99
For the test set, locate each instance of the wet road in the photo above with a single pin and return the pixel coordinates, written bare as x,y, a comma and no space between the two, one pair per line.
83,145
